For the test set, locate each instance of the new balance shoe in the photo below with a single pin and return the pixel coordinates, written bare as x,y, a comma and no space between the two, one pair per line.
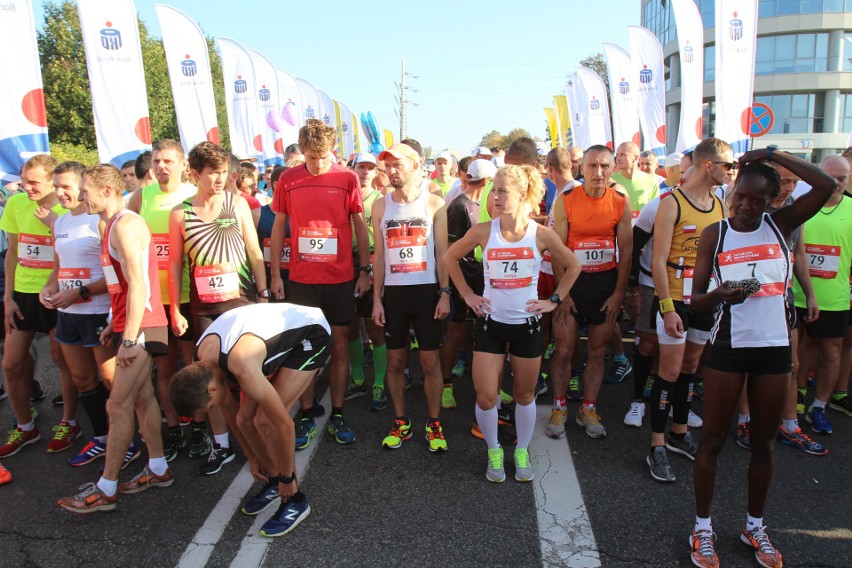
306,430
799,439
842,404
811,382
619,372
800,402
338,428
216,459
64,436
17,440
378,400
685,446
5,475
90,452
200,443
764,551
575,388
743,438
264,499
523,468
704,549
693,420
37,393
591,422
541,385
90,500
145,480
174,441
658,462
400,431
495,472
448,398
816,418
556,426
635,414
435,437
354,390
285,519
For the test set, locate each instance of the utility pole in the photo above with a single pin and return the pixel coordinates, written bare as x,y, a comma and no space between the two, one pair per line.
402,101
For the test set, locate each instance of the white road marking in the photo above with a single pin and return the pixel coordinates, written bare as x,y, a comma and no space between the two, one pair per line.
563,522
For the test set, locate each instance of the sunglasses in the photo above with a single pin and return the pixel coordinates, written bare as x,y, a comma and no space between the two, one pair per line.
728,165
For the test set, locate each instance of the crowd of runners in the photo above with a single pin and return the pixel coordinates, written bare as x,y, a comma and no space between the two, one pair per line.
196,291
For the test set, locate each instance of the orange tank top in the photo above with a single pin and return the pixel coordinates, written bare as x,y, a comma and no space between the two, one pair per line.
592,223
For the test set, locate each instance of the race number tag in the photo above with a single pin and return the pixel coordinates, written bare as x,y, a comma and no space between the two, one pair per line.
73,278
546,263
764,262
407,254
217,283
510,268
161,247
823,260
595,255
285,253
687,285
35,251
113,286
317,244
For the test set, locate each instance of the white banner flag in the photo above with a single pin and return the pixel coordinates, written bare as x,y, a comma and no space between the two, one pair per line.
240,97
648,79
290,98
23,129
622,94
345,129
189,73
591,96
310,100
690,38
268,107
736,38
578,116
116,78
328,115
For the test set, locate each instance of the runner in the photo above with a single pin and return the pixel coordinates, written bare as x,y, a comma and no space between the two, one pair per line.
508,314
410,287
273,353
751,335
137,332
592,220
443,164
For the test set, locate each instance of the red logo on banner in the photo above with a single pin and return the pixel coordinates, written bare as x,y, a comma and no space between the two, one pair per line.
258,143
143,130
661,134
32,106
213,135
699,130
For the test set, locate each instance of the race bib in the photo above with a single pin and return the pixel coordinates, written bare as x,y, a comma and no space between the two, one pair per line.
687,285
285,254
823,260
407,254
546,263
217,283
161,247
317,244
113,286
595,255
35,251
510,268
73,278
764,262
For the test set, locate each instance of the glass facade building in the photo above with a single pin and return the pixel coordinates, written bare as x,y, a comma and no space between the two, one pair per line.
803,70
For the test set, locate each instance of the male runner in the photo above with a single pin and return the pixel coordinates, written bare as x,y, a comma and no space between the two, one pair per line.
443,164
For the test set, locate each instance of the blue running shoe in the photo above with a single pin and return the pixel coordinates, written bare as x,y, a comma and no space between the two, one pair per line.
337,427
379,399
285,519
90,452
306,429
264,499
131,454
459,367
541,384
649,383
318,409
818,420
799,439
619,372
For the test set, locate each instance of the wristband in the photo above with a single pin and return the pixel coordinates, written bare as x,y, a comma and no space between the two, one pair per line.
446,291
770,150
286,480
666,306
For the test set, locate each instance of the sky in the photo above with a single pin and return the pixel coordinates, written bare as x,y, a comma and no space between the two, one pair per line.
472,67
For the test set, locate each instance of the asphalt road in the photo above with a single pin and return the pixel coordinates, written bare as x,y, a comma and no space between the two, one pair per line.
409,507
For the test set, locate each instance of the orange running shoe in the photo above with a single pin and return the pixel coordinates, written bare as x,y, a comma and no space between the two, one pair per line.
764,551
704,549
90,500
64,437
144,480
5,475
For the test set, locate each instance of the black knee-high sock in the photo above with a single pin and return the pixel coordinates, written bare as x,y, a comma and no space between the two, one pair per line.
661,394
642,365
682,398
94,403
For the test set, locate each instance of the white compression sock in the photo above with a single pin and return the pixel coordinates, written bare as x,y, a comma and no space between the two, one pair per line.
487,420
525,423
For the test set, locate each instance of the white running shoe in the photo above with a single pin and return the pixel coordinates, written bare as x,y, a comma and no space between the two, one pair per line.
693,421
635,414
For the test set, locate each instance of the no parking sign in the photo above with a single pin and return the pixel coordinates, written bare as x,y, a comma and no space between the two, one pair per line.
758,120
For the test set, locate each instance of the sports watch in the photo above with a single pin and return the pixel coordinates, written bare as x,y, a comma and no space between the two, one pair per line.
129,342
556,299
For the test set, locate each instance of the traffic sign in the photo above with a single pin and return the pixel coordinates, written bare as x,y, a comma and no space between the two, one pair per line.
762,120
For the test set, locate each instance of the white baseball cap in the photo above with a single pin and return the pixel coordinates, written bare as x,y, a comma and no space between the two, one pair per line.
481,169
481,150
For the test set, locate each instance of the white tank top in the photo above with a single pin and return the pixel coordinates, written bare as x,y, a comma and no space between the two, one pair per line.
760,321
409,242
511,274
78,244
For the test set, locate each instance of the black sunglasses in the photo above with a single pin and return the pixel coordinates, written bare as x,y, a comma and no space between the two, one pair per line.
728,165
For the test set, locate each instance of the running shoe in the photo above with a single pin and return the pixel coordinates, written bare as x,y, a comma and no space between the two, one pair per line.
556,427
64,437
262,500
90,452
306,430
435,437
218,457
800,401
704,549
5,475
843,404
131,454
548,353
459,367
541,384
646,391
764,551
591,421
317,409
378,400
685,447
693,420
575,388
816,418
37,392
495,472
619,372
523,468
743,439
184,420
354,390
448,399
697,389
505,397
57,400
144,480
90,500
409,378
3,394
799,439
506,433
200,443
173,442
16,441
285,519
414,344
337,427
400,432
635,414
811,382
658,462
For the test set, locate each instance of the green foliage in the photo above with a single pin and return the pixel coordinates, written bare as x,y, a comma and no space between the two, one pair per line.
65,151
597,63
495,138
219,93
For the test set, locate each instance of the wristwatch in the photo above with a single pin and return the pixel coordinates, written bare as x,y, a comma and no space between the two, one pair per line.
366,269
446,291
769,151
129,342
264,294
84,292
556,299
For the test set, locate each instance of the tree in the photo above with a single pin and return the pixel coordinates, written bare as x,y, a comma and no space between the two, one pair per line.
495,138
597,63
